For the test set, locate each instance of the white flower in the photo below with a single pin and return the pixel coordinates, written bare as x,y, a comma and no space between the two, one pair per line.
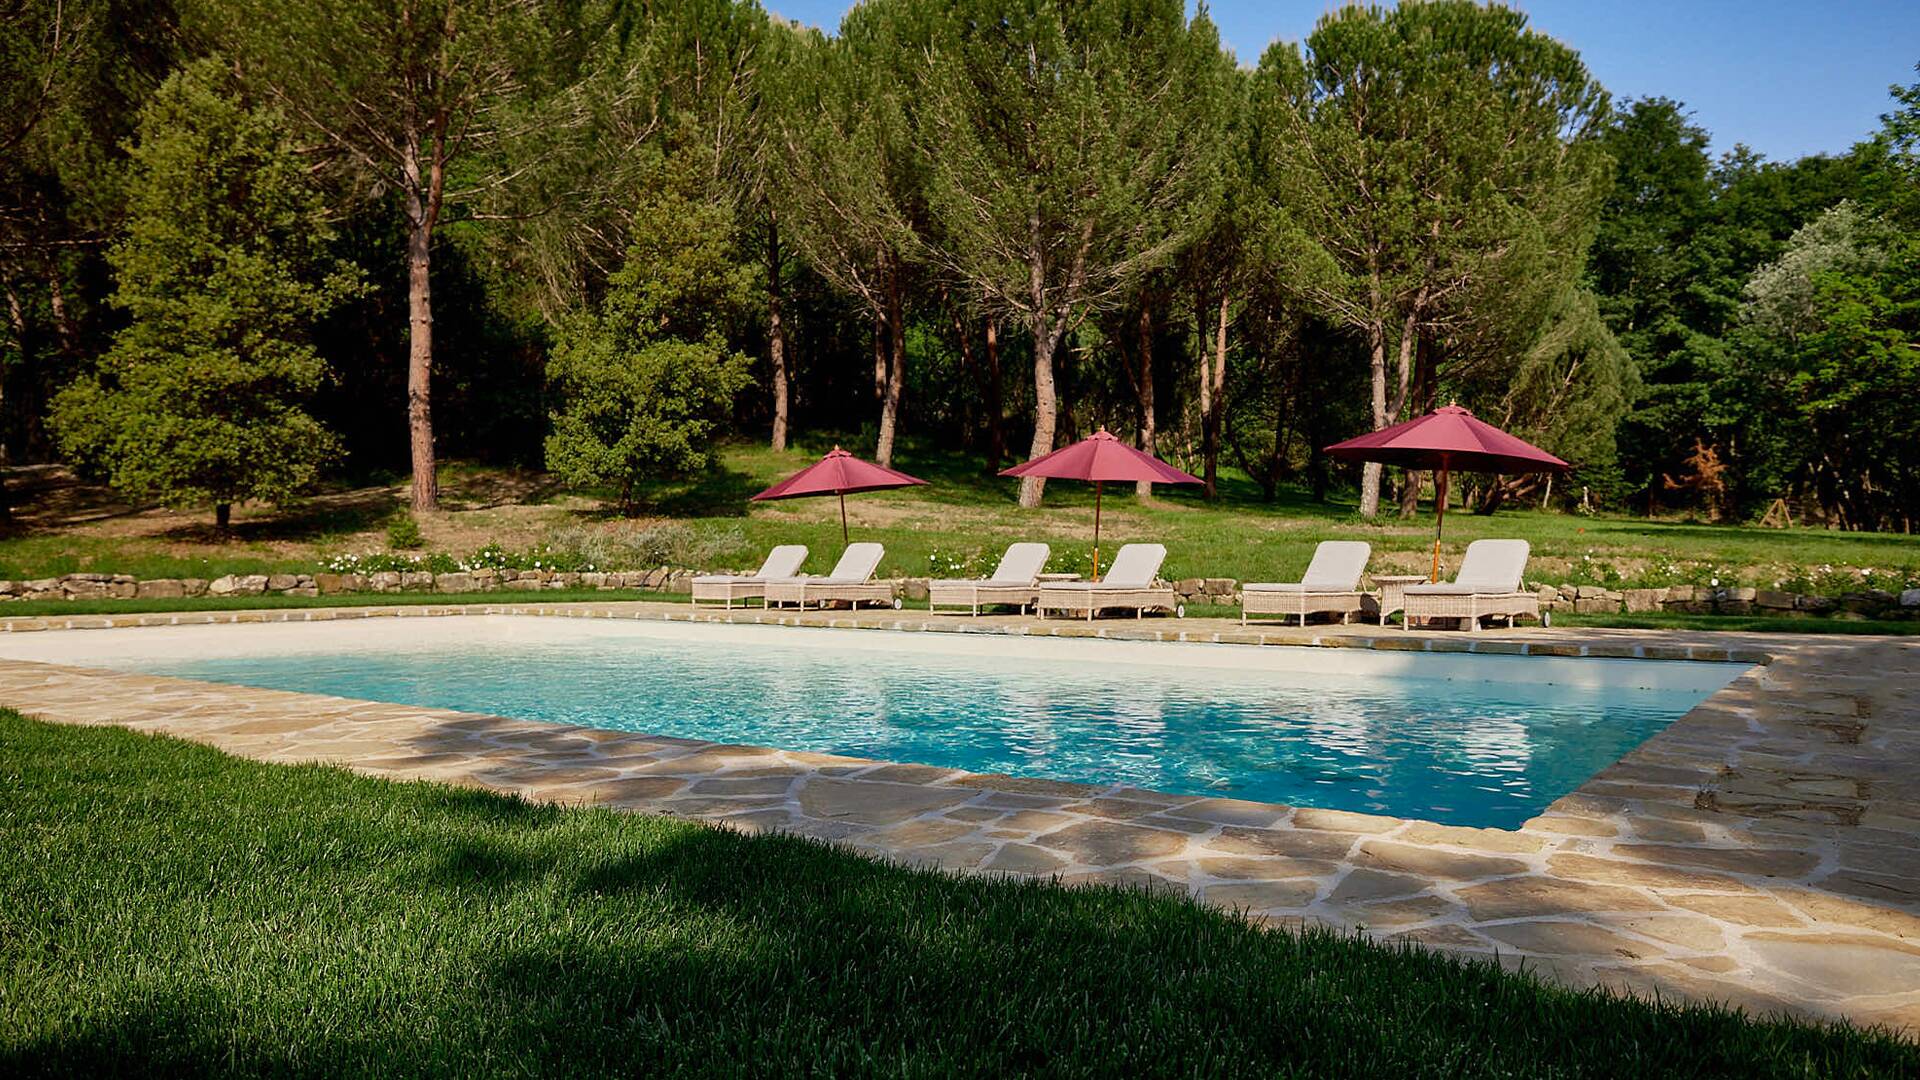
1715,582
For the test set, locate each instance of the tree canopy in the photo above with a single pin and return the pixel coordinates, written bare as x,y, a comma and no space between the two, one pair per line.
600,236
223,268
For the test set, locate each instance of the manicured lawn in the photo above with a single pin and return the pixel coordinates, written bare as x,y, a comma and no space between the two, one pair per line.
964,511
1239,536
170,909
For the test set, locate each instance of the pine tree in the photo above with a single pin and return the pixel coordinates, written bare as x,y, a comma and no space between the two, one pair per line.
223,268
645,380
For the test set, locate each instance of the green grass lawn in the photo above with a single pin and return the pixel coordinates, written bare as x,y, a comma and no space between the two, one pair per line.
1238,536
963,510
170,909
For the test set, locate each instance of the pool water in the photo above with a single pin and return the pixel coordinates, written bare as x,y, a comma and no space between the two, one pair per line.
1465,740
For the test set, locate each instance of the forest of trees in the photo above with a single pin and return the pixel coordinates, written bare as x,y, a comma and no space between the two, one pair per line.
247,246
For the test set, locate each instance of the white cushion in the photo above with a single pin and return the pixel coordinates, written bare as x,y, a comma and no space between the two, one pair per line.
1494,566
1135,566
1337,565
783,561
857,563
1021,565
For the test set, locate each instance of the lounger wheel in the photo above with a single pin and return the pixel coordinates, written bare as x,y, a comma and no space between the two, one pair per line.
1179,611
1546,619
898,603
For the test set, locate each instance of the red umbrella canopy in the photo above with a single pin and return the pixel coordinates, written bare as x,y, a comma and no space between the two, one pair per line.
1101,457
1448,438
839,473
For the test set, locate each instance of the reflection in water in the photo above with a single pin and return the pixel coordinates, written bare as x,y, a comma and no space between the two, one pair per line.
1467,753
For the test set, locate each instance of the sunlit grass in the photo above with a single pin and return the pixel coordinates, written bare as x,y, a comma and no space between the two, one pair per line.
963,509
171,910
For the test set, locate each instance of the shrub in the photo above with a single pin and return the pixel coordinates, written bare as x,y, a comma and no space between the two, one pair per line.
668,543
403,534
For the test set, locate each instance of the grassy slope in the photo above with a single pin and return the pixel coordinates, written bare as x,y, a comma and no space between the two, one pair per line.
962,510
1239,537
172,909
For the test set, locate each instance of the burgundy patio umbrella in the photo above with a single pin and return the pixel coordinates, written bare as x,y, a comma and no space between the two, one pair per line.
1100,457
841,474
1445,439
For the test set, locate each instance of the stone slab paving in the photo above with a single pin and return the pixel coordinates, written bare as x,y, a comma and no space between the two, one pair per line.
1763,850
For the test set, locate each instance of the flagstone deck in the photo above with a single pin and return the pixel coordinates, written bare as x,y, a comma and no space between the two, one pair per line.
1763,850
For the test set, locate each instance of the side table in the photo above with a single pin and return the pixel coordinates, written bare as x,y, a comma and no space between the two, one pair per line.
1393,591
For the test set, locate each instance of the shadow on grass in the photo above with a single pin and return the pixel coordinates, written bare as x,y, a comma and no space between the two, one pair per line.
311,519
309,921
718,491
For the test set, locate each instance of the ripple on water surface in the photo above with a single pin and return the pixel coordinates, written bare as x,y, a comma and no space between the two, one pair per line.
1462,752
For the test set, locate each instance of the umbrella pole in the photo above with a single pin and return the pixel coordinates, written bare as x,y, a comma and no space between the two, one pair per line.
1440,517
843,519
1096,530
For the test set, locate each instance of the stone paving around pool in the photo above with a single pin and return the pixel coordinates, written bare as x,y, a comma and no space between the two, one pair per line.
1763,850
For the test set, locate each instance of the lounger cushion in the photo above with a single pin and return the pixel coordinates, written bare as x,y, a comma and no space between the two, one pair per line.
856,564
782,562
1337,565
1134,567
1021,564
1494,566
1336,568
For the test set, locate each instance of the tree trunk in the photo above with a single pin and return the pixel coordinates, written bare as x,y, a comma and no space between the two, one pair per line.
1213,403
776,334
969,367
62,317
1377,378
1045,409
17,319
996,438
896,370
1385,413
423,209
223,517
880,353
1144,488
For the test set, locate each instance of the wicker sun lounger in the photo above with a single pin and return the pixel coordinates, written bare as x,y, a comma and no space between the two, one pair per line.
1015,582
1488,585
782,562
851,582
1331,584
1129,584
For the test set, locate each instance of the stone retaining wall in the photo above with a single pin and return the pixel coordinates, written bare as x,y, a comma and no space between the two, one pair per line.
1689,599
126,587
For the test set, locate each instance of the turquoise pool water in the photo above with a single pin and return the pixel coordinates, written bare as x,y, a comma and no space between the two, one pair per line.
1447,738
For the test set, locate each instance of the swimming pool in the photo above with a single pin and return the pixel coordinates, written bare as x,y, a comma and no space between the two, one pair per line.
1462,739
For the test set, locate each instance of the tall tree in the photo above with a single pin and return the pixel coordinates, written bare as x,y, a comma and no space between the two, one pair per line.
1223,267
1072,148
223,268
1418,150
73,74
645,379
1824,370
853,180
409,95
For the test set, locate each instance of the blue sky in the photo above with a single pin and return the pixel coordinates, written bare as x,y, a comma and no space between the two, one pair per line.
1786,78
